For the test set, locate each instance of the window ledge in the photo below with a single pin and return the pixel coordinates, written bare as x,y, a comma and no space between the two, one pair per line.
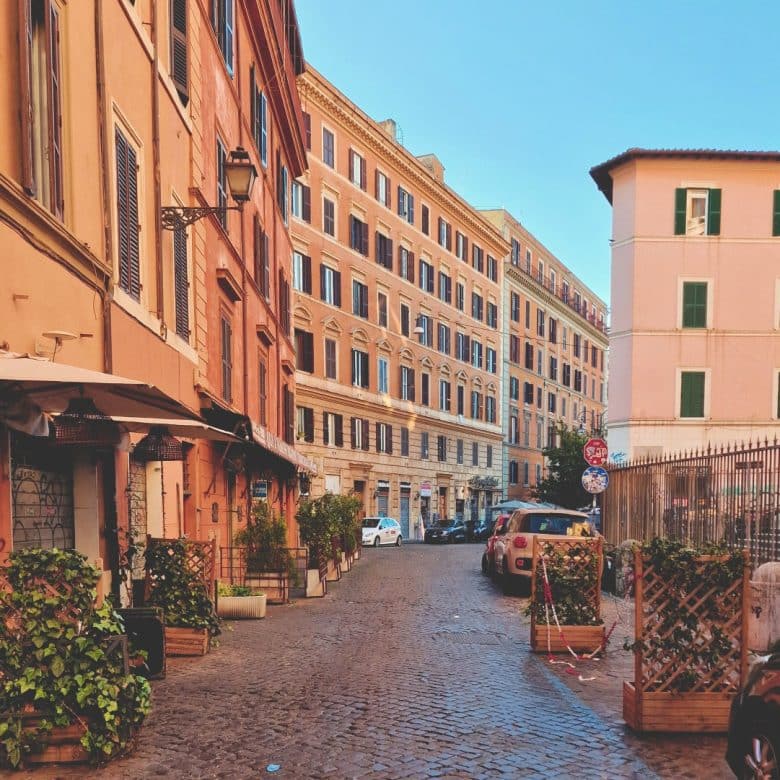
229,285
265,335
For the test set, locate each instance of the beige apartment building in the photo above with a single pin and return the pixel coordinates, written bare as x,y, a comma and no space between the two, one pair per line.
554,363
397,293
695,353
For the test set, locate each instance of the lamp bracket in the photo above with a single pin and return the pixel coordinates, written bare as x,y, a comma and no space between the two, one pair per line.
181,217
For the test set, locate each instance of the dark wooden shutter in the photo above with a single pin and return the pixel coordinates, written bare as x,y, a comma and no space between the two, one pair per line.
350,158
425,220
776,215
308,424
306,269
449,237
378,247
364,423
266,268
306,203
411,384
127,216
680,205
363,177
307,129
25,86
337,288
308,352
399,191
410,266
339,430
353,423
257,243
430,280
181,284
263,392
325,428
389,430
322,283
378,429
179,48
227,361
364,237
713,213
55,117
387,192
376,183
364,367
465,249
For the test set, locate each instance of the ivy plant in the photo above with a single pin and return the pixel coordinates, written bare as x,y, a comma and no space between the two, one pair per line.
177,588
56,666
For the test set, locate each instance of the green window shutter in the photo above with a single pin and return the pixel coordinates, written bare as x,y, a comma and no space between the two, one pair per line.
776,214
692,394
694,305
680,195
713,213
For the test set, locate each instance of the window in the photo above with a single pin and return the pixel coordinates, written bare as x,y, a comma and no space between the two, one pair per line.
406,264
425,389
426,276
514,349
305,423
288,414
330,359
359,433
301,273
444,395
529,356
552,281
226,353
357,169
489,456
381,305
566,375
382,188
553,368
528,261
515,255
332,429
552,400
697,212
444,344
445,287
539,362
576,344
692,393
490,360
405,442
476,306
459,452
476,405
553,330
540,272
301,201
384,251
526,429
540,323
426,323
515,307
490,409
461,400
445,234
259,111
461,246
474,454
359,368
477,258
492,269
359,299
178,56
262,260
405,205
460,296
358,235
527,314
441,448
330,286
405,317
514,388
528,393
514,431
476,353
564,339
128,246
281,186
492,315
304,351
539,397
539,432
222,21
383,367
384,438
407,383
694,305
565,292
307,130
424,445
262,386
328,148
513,472
578,380
284,303
328,217
462,347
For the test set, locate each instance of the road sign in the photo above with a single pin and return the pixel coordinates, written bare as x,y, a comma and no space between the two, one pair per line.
595,452
595,479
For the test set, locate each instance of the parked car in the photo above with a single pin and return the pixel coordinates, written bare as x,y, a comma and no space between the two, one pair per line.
513,549
753,749
381,530
447,531
488,561
483,529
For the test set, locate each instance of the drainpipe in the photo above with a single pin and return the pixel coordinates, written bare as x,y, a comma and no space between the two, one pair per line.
158,250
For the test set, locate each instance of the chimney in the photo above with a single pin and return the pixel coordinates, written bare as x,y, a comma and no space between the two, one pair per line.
389,126
433,164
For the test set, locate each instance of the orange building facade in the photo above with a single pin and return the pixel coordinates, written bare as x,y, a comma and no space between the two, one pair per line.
117,112
554,355
397,285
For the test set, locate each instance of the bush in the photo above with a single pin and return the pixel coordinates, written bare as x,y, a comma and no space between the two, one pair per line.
54,658
265,539
322,519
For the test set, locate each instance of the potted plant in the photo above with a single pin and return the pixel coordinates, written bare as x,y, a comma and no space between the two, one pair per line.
239,601
690,648
65,690
566,576
270,566
174,585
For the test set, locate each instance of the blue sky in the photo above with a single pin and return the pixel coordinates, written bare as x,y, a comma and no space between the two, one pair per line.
519,100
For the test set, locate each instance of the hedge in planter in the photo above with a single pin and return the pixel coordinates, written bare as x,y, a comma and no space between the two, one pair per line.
322,519
56,673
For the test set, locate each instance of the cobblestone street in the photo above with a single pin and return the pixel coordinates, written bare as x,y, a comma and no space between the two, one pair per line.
413,666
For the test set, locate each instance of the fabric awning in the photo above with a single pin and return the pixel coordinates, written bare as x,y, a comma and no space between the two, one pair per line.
264,438
184,429
51,385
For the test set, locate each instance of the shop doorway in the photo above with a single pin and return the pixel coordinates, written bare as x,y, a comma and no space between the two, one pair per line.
442,510
382,501
404,514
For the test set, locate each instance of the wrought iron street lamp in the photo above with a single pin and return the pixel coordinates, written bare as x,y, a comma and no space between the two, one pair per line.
240,175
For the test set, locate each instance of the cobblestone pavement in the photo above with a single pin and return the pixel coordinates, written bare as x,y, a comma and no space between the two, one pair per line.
413,666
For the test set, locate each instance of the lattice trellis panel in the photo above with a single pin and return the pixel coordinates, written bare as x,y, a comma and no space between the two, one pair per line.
200,557
576,557
713,615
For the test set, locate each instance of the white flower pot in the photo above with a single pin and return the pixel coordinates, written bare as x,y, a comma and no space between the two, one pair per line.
238,607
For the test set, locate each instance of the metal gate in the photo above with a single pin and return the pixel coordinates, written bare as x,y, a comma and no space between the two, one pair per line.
41,495
404,518
136,503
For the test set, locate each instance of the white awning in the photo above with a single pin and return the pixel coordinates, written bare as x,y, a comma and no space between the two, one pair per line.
184,429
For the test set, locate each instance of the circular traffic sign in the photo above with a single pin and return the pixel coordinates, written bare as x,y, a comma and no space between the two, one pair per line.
595,452
595,479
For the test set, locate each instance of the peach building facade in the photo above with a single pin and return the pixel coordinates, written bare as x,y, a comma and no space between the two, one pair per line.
695,352
397,299
554,348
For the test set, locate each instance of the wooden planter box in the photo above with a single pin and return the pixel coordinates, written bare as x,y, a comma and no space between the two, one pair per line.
186,641
679,712
275,585
241,607
62,746
316,586
582,639
345,564
334,571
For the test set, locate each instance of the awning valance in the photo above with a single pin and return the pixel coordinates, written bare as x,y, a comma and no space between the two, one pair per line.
185,429
264,438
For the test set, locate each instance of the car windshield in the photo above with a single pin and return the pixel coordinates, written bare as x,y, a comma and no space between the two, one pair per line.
558,525
371,522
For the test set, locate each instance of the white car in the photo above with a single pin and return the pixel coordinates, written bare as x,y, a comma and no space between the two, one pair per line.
381,530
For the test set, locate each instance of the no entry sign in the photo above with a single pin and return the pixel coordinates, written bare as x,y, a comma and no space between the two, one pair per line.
595,452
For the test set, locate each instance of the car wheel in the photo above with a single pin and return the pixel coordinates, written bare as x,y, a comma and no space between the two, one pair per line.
484,564
762,760
376,541
398,542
